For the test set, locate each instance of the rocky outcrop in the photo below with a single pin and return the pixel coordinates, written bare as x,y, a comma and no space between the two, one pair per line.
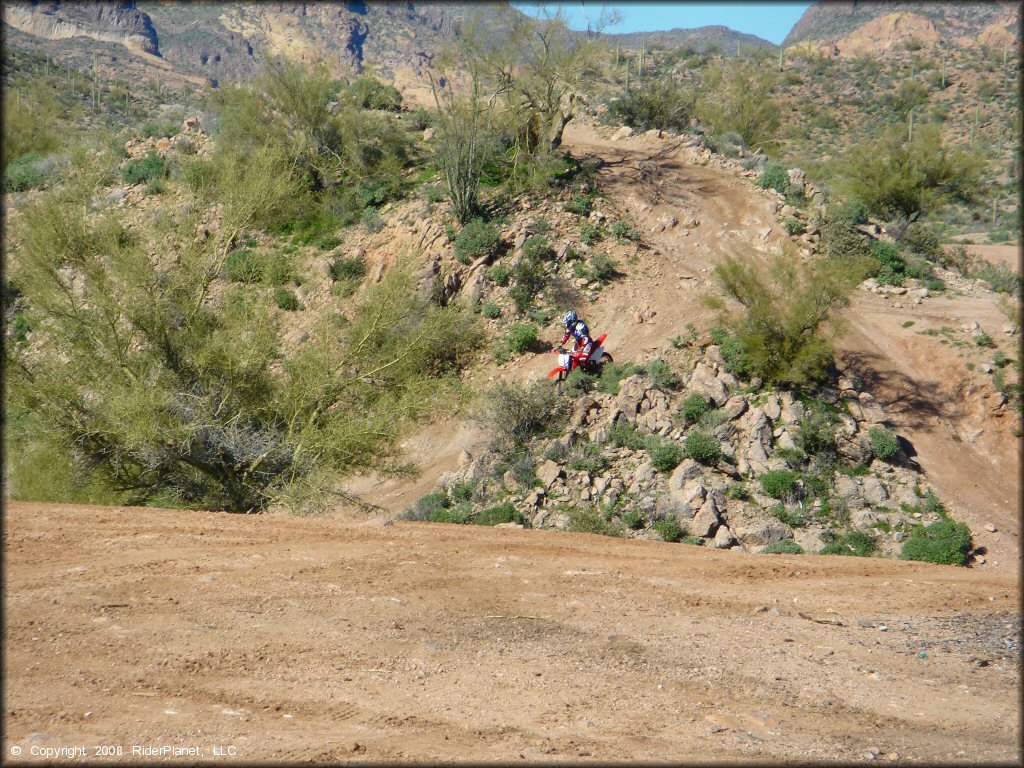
111,22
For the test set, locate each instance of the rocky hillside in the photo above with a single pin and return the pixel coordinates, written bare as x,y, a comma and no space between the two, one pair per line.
698,38
849,28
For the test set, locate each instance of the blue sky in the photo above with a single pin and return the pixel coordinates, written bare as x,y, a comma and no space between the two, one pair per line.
771,21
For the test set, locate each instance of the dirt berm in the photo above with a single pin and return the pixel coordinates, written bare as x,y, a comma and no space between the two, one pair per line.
331,639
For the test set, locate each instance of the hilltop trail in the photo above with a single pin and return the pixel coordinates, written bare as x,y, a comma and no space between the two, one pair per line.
970,457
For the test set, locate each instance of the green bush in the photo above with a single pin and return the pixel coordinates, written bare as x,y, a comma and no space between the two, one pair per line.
458,515
623,434
516,414
537,247
891,267
792,225
581,205
499,274
692,408
737,490
347,273
944,542
625,232
588,458
632,519
591,233
462,491
491,310
590,520
579,382
789,517
529,280
922,241
816,433
665,455
669,529
371,220
286,299
429,504
370,93
145,169
784,547
778,483
478,238
601,268
655,103
520,338
244,266
612,374
503,513
984,340
702,447
662,376
852,544
884,445
24,173
773,177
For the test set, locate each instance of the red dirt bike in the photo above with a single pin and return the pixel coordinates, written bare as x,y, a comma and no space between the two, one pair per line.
569,361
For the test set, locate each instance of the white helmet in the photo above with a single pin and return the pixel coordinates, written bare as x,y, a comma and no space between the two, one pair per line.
569,318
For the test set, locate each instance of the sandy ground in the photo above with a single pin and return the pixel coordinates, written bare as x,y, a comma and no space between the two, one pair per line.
296,639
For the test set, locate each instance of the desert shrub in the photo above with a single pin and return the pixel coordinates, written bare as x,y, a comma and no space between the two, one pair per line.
516,414
370,93
581,205
632,519
909,95
669,529
430,503
692,408
852,544
529,279
612,374
924,242
784,547
286,299
587,457
792,225
891,267
664,455
347,273
773,177
591,233
244,266
884,445
503,513
625,232
623,434
537,247
944,542
662,376
702,447
458,515
520,337
737,490
24,173
784,333
736,98
659,103
778,483
787,516
600,268
371,220
893,176
815,434
591,520
478,238
579,382
984,340
147,168
462,491
491,310
499,274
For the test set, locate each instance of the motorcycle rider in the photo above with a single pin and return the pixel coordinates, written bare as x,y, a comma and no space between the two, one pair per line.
577,329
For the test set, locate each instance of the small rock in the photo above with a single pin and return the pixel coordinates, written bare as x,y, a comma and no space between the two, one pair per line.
623,133
990,527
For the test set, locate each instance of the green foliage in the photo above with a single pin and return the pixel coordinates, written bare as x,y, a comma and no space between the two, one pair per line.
923,241
581,205
659,103
499,274
792,225
579,382
246,266
520,338
984,340
894,176
816,432
737,490
458,515
773,177
669,529
909,95
503,513
516,414
787,516
146,169
884,445
587,457
529,279
851,544
702,447
891,267
944,542
623,434
625,232
662,376
784,334
371,220
692,408
591,233
600,268
477,238
491,310
778,483
612,375
736,98
369,93
665,455
591,520
537,248
632,519
26,172
347,273
784,547
286,299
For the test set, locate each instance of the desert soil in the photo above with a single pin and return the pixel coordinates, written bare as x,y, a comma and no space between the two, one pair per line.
289,638
343,637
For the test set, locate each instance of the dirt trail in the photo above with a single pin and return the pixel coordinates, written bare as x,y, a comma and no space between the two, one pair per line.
292,639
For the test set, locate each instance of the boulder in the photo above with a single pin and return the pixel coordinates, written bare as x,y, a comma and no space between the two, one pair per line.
762,533
631,394
705,383
724,538
846,487
686,471
623,133
735,407
873,491
771,407
706,521
549,472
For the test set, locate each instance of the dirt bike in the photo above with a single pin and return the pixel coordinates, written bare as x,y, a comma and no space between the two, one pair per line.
569,361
